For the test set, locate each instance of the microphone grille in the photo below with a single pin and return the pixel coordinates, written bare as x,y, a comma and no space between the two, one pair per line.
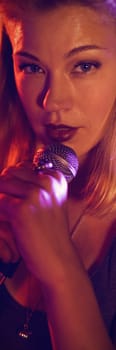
63,158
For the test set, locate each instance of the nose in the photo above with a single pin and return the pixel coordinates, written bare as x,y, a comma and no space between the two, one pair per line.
59,96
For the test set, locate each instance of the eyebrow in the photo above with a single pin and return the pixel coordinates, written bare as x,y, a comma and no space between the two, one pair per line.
27,55
69,54
83,48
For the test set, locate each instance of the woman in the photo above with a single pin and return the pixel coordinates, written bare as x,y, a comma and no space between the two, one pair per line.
58,84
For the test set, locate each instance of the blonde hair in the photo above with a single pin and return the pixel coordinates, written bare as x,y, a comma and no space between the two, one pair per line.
16,135
98,186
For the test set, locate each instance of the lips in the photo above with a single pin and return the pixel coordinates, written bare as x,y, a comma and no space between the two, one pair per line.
60,132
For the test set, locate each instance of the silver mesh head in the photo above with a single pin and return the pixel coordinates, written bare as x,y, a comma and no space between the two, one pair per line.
62,158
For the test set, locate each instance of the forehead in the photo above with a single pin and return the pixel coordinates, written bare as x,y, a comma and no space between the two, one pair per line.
61,28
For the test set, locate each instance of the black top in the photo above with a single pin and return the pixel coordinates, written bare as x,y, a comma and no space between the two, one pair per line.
12,319
13,315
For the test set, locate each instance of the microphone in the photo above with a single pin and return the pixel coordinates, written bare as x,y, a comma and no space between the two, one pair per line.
57,157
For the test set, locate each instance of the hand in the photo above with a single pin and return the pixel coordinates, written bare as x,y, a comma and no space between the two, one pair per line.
34,206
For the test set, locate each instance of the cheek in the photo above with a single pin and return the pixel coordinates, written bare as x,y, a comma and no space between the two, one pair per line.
27,93
95,104
98,103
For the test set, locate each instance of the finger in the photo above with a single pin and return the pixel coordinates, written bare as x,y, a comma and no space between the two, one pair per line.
20,180
27,172
17,183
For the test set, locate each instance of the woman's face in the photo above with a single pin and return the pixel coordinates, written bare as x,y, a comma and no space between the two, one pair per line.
65,72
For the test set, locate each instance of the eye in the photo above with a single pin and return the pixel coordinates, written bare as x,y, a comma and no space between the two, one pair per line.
31,68
85,67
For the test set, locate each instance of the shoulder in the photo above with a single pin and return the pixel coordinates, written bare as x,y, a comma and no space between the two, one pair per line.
103,279
106,264
103,272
